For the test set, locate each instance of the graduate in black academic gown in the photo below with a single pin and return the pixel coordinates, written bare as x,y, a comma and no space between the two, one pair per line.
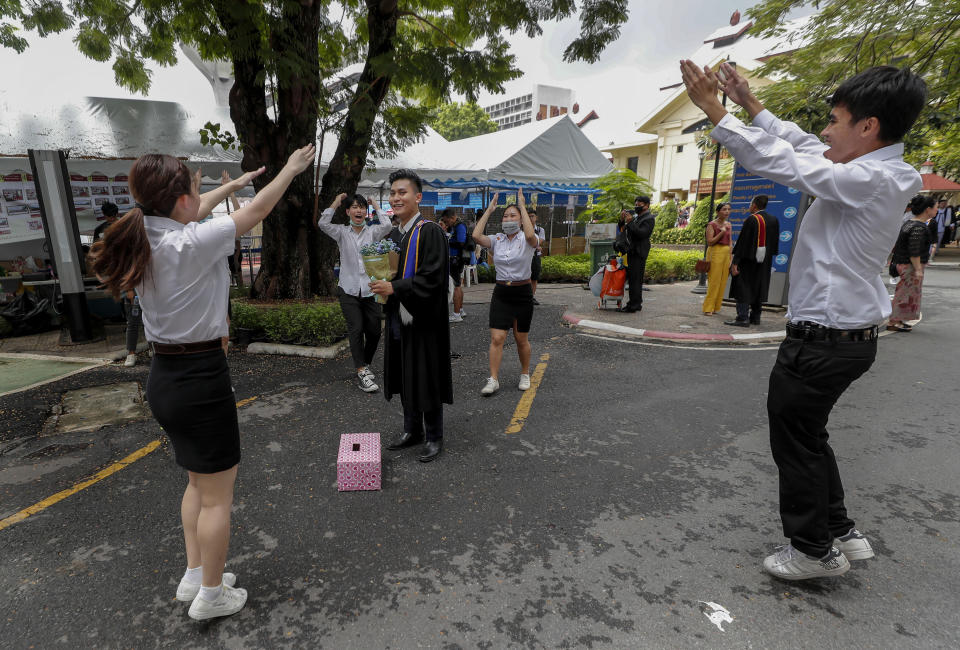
417,349
750,280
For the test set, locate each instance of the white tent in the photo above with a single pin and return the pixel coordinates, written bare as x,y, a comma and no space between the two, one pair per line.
550,155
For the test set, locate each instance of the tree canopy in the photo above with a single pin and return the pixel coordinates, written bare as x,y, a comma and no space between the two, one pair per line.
844,37
290,62
619,189
456,121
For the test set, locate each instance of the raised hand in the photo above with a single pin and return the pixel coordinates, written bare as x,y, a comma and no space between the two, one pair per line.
246,179
734,84
702,87
301,158
337,201
520,199
225,177
494,201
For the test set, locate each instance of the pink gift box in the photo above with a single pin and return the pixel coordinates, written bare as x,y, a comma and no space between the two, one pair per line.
358,462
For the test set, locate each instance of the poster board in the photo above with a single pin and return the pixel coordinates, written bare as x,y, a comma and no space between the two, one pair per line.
786,204
19,209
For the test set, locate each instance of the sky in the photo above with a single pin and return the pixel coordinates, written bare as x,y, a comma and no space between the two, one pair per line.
622,87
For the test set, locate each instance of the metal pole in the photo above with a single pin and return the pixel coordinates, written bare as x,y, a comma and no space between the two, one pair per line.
701,287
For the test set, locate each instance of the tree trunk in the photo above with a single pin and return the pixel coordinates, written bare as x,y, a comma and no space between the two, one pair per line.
349,160
297,260
288,264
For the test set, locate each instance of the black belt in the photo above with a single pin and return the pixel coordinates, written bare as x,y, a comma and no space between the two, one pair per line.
186,348
807,331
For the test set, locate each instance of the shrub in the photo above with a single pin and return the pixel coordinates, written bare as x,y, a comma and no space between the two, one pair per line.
662,266
693,233
318,323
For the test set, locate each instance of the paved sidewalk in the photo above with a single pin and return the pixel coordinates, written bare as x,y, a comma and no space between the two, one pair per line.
670,312
112,347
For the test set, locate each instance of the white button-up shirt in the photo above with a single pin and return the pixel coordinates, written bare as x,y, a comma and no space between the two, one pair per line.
512,258
847,233
185,292
353,276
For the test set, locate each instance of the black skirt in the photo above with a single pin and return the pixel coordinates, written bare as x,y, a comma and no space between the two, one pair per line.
509,304
192,399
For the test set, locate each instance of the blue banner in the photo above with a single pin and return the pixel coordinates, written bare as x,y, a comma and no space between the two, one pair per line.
784,204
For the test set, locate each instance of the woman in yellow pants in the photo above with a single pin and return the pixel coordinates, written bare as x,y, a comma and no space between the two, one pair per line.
718,253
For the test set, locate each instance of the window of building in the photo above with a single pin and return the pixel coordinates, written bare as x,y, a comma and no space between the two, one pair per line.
679,148
633,162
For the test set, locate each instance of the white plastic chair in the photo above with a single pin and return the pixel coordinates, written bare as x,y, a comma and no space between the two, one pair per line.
468,271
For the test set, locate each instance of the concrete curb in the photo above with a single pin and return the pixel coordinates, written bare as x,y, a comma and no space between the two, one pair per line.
330,352
579,322
944,265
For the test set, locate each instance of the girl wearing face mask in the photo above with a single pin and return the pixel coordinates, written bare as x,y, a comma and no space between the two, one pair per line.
358,303
511,307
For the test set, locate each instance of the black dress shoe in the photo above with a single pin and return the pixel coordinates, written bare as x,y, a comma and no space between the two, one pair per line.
430,450
754,322
737,323
405,440
536,302
629,310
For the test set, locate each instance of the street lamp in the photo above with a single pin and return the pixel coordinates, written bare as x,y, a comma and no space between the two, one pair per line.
702,283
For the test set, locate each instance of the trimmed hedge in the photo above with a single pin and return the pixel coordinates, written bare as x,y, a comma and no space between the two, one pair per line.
318,323
662,266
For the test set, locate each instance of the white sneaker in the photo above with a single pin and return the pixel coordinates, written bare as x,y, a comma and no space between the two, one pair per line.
366,371
187,591
367,384
463,314
854,545
491,387
131,361
231,601
524,382
455,318
790,564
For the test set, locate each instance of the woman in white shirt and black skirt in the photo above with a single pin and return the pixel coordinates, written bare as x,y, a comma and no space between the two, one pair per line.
177,267
511,307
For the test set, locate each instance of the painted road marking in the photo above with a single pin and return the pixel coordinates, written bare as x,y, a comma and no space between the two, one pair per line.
523,407
96,478
82,485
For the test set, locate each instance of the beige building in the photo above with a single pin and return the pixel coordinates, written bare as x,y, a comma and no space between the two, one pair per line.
665,149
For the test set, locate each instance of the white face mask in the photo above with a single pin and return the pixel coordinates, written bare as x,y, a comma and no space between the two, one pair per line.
510,227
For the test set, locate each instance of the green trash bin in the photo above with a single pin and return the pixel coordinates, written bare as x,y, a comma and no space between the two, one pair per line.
600,251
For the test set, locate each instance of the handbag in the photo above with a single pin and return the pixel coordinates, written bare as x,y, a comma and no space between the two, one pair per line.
702,266
893,270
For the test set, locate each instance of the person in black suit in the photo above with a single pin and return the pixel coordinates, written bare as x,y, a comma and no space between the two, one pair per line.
636,244
753,256
417,353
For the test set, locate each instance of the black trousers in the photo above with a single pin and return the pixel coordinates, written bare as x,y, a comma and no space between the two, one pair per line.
807,380
414,421
748,311
636,266
131,311
363,326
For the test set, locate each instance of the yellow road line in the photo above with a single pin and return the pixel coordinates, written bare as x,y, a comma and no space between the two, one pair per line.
82,485
96,478
523,407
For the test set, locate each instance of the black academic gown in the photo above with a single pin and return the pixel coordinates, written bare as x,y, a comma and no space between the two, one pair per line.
752,285
417,365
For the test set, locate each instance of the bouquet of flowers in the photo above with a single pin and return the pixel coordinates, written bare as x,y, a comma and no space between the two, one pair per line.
380,259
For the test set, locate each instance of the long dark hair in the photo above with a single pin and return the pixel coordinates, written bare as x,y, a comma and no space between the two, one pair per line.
122,257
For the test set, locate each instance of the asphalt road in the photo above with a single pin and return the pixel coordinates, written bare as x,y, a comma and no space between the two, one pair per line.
639,490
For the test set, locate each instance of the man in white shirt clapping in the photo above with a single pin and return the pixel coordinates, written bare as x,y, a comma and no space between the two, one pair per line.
837,298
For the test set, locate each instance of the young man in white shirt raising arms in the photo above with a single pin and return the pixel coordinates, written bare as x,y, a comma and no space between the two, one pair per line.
837,298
